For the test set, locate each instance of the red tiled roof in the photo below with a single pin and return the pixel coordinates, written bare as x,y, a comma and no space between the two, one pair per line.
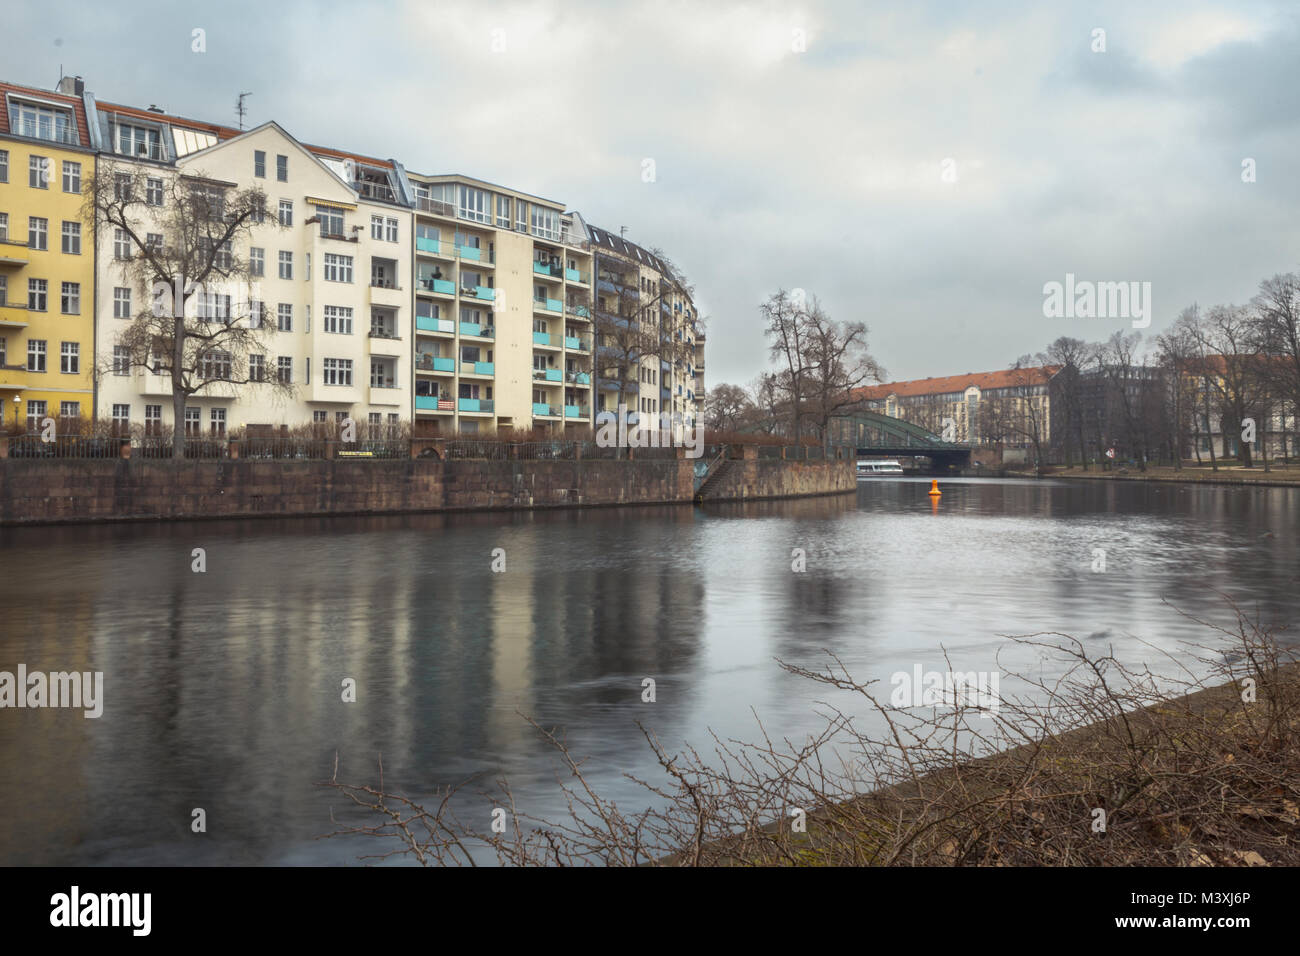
1004,378
340,154
73,102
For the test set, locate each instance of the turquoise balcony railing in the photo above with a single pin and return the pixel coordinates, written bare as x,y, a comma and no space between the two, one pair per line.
545,338
483,292
550,305
579,378
475,404
428,245
572,342
427,323
548,375
575,411
471,328
540,409
573,275
440,286
545,269
579,310
471,252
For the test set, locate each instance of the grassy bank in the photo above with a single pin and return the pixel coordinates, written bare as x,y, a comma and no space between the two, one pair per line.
1233,474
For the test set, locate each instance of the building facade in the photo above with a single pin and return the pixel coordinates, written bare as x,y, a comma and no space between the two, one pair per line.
386,297
47,261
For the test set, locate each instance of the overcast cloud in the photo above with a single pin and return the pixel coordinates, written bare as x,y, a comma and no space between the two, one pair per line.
819,170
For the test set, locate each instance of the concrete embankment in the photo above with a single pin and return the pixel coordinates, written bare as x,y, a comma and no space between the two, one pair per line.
69,490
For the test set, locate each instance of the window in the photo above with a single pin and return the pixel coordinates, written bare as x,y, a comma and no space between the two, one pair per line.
377,227
259,163
381,374
521,216
284,369
258,212
36,291
286,212
257,368
139,141
546,222
338,319
42,122
71,177
121,244
121,418
121,303
256,313
4,225
72,238
36,355
121,360
38,233
338,268
474,204
4,165
256,261
284,317
503,212
71,298
153,191
122,187
214,365
286,265
213,306
35,412
338,371
390,229
152,419
217,422
318,416
4,293
193,421
38,172
282,168
70,358
331,221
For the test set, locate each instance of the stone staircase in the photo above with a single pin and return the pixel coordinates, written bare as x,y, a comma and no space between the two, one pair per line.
712,481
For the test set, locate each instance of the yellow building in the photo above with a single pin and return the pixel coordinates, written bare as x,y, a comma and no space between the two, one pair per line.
47,260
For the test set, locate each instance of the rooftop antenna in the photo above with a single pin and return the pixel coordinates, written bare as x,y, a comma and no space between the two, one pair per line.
241,109
622,231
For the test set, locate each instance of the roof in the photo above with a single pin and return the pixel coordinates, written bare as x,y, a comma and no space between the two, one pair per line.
220,132
616,243
1003,378
355,157
74,103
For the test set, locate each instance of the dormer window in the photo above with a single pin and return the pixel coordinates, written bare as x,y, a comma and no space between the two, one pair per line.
142,142
40,121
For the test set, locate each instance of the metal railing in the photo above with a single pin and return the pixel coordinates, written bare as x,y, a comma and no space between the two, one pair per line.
435,206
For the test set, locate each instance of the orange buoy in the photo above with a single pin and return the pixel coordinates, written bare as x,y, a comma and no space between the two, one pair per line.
934,488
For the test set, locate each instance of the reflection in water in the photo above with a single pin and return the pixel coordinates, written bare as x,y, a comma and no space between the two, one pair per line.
223,689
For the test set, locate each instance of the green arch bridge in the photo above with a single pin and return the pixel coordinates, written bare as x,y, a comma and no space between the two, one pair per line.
874,434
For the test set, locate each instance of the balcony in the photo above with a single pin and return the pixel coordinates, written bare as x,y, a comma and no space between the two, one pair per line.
435,286
386,293
546,340
546,270
544,304
13,376
432,403
434,247
479,331
385,343
478,292
477,368
475,254
576,411
545,411
578,378
385,394
483,406
428,323
435,363
13,316
372,190
574,275
580,311
579,343
435,206
547,375
13,253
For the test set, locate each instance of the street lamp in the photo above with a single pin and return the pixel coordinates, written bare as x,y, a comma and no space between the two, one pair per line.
17,404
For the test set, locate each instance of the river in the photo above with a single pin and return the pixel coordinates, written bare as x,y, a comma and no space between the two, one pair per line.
222,689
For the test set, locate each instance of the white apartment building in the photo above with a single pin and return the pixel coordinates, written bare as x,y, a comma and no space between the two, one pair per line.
330,280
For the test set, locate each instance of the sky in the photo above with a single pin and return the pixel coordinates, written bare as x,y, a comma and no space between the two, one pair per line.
924,168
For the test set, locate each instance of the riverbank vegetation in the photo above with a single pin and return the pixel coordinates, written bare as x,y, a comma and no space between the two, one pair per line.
1102,765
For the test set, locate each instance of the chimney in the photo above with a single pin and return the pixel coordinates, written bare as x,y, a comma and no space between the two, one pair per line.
72,85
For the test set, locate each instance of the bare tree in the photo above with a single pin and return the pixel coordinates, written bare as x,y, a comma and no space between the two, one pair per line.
1277,318
198,322
728,408
1073,356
